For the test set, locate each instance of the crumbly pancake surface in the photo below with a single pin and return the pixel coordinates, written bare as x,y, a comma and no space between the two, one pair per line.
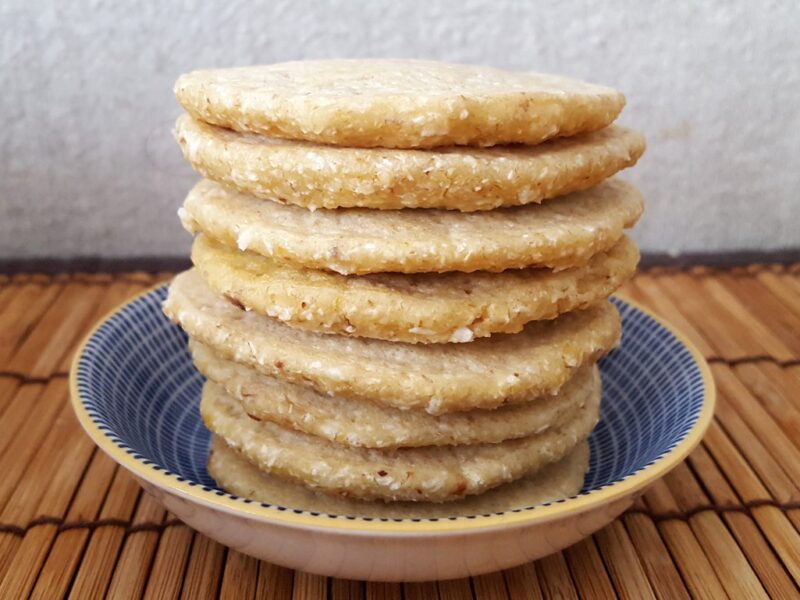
354,422
439,378
456,178
558,480
394,103
565,232
431,474
414,308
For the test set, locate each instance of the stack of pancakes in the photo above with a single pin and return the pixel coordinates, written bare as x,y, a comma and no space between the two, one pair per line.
401,280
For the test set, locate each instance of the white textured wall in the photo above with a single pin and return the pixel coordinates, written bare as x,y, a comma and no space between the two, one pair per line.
88,166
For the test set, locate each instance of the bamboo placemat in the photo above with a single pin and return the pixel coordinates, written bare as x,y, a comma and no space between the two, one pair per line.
723,524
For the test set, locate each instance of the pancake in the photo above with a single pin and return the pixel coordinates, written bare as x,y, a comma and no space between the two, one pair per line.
393,103
414,308
438,378
361,423
562,233
456,178
561,479
432,473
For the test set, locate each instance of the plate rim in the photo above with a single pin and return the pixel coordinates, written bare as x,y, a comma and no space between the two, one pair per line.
237,506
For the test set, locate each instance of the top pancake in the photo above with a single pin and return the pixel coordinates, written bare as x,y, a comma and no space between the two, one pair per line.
396,103
455,178
561,233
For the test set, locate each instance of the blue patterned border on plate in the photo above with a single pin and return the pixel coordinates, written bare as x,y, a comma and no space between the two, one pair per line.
137,383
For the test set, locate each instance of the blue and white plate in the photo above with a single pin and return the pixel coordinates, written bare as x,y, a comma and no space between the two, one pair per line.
136,393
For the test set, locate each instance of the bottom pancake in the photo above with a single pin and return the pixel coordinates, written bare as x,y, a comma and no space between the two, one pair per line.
235,474
431,473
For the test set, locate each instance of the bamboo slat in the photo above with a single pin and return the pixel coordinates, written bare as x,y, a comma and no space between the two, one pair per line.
491,585
751,450
35,436
204,571
276,583
68,545
709,317
521,582
166,575
379,591
777,392
342,589
695,568
57,330
100,556
308,587
647,291
661,572
768,308
8,389
138,550
732,391
785,287
115,294
724,524
457,588
20,314
47,490
16,416
554,577
425,590
7,292
588,572
745,324
240,578
623,564
757,550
